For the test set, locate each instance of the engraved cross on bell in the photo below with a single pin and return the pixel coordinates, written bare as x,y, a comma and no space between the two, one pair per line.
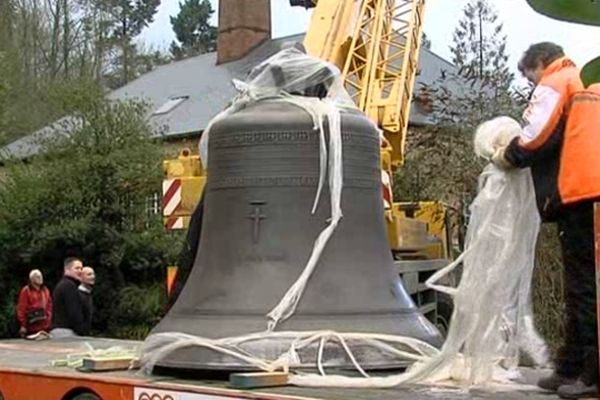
256,216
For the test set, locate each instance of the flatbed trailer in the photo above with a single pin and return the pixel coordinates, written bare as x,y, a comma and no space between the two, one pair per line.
26,373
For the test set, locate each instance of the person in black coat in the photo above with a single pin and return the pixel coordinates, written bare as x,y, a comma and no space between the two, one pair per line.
67,318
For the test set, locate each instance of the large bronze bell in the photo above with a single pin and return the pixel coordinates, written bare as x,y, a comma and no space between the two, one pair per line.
258,232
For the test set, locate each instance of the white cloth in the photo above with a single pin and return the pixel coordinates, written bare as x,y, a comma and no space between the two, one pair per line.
59,333
537,114
85,289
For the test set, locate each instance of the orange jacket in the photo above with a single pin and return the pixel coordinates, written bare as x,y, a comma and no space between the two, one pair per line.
31,299
561,139
579,174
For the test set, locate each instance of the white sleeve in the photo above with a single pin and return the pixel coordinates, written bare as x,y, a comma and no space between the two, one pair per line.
537,114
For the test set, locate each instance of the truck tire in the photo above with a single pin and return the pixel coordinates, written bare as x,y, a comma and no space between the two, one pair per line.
86,396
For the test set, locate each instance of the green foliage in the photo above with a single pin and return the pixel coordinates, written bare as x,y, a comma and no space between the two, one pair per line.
138,309
50,49
28,104
7,14
8,315
193,30
126,19
426,42
440,162
583,12
4,98
440,165
86,195
548,300
147,59
590,73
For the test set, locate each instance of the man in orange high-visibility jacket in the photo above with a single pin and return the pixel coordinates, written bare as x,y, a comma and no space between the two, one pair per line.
560,141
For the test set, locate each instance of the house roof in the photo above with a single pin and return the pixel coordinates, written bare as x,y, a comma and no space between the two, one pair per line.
185,95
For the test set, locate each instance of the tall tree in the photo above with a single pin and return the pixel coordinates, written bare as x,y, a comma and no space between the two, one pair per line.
6,46
193,30
51,48
426,42
126,19
4,97
7,13
481,85
479,48
440,160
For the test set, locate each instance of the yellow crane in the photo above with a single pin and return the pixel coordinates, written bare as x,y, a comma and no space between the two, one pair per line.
376,45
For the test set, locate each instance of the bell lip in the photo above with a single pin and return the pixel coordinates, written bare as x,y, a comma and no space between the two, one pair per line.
216,367
197,358
300,314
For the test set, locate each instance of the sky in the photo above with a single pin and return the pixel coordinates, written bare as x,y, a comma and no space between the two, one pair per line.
522,26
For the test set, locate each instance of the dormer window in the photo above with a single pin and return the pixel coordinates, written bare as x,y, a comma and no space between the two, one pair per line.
170,105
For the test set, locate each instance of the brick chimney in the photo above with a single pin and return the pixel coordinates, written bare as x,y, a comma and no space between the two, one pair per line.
243,25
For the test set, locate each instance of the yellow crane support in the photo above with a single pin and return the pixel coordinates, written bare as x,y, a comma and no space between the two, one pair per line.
376,44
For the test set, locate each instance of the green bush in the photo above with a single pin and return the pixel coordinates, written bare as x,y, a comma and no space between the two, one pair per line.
138,309
548,299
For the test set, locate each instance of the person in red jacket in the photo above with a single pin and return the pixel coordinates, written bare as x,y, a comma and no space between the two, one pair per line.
560,142
34,308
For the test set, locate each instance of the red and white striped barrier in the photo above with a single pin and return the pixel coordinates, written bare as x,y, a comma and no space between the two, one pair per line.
387,190
171,203
174,223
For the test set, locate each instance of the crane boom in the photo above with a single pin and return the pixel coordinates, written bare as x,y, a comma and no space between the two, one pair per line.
376,44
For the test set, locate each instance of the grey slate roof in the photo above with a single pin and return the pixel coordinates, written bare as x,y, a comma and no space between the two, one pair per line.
209,89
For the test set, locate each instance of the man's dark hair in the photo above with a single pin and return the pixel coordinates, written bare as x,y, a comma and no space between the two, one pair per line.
540,53
69,260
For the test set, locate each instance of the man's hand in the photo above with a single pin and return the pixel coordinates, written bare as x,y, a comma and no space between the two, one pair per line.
500,160
22,331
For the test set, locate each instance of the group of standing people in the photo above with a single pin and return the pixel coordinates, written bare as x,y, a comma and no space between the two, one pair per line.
67,312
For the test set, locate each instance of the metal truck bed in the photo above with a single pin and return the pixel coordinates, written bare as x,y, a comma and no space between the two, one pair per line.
26,363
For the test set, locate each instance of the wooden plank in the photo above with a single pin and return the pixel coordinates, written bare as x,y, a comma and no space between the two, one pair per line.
251,380
107,364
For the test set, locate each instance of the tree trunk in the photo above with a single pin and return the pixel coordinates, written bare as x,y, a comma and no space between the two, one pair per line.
66,37
53,59
480,43
125,49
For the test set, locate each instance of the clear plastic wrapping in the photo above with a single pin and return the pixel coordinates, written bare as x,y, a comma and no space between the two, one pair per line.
493,134
287,74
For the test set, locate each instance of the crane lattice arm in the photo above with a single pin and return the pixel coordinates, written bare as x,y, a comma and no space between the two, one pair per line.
375,43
